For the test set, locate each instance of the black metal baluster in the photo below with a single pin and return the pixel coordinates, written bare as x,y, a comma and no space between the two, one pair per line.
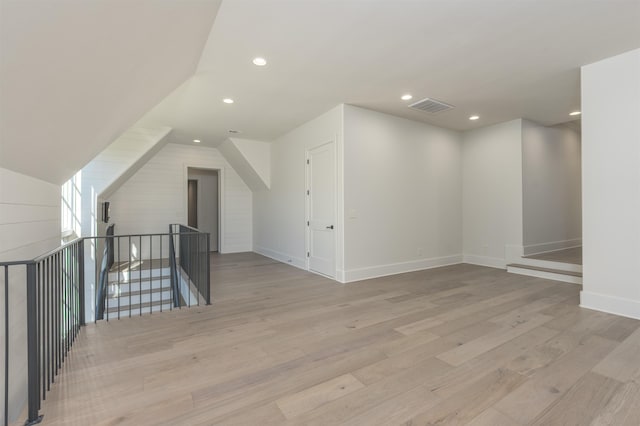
74,288
6,344
150,275
41,335
81,281
208,270
199,270
190,245
58,313
130,278
49,323
140,278
54,307
161,274
107,314
32,347
65,304
119,284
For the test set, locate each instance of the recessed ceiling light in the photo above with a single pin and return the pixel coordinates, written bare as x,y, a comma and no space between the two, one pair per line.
406,97
474,117
575,113
227,100
261,62
196,140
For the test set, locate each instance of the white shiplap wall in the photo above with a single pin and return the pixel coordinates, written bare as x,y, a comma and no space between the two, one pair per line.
29,227
29,216
156,196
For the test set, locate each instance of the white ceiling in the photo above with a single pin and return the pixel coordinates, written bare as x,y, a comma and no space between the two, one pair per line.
74,75
496,58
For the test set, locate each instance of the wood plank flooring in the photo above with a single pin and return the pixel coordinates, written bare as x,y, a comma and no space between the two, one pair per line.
455,345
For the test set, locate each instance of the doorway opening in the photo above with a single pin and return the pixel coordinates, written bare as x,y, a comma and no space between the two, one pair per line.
203,203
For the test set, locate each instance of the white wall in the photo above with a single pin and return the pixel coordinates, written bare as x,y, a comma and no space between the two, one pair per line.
29,227
117,162
156,196
258,155
403,194
279,213
611,184
551,180
492,193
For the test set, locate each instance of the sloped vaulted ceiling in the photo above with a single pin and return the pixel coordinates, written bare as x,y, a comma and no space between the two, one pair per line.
74,75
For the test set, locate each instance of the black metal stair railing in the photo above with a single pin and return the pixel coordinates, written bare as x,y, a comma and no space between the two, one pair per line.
139,273
194,248
145,273
54,316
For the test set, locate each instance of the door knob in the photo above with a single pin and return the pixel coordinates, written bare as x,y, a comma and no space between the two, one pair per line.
330,227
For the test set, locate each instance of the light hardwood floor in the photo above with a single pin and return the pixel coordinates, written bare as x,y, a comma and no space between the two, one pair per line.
454,345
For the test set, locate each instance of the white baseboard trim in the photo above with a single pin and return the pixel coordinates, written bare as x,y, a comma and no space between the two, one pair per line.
610,304
551,246
230,250
545,274
399,268
281,257
492,262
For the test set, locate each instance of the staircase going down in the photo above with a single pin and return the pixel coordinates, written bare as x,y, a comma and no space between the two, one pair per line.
139,288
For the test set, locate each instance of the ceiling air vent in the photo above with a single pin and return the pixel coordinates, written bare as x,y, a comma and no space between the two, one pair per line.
432,106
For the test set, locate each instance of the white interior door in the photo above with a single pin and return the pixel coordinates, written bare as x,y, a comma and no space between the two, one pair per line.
321,209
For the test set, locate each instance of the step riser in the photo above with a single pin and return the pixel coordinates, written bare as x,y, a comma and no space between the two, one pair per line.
569,267
133,275
123,314
125,301
135,286
546,275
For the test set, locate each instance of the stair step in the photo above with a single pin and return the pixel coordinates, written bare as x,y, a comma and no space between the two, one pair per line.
137,265
547,273
128,288
553,271
143,280
137,274
135,308
165,307
146,291
144,297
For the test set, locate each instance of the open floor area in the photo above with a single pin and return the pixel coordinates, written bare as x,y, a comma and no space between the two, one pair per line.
461,344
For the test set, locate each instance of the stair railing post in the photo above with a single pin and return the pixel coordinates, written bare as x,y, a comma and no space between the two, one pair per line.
81,280
33,351
208,269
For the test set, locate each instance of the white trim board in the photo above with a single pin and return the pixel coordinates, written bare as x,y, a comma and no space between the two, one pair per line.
491,262
399,268
281,257
551,246
610,304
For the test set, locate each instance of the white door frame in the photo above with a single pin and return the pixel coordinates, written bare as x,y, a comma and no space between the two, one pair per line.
185,198
307,207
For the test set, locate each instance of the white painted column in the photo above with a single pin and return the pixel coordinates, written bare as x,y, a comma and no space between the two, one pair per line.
611,184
